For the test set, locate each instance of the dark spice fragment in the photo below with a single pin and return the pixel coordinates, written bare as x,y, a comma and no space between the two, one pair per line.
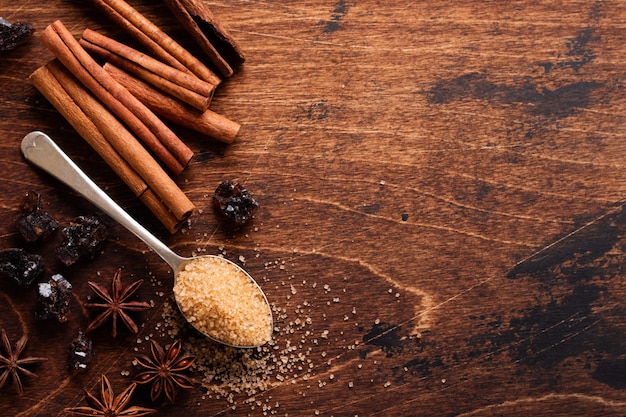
54,299
23,267
35,223
81,352
233,201
13,35
82,238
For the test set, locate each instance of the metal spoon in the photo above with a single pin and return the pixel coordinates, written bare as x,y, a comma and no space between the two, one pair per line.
40,149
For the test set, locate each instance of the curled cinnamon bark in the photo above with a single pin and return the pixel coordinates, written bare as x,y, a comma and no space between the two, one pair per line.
206,122
143,122
153,38
213,38
185,87
115,144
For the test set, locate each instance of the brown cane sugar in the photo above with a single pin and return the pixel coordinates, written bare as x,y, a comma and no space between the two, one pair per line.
220,300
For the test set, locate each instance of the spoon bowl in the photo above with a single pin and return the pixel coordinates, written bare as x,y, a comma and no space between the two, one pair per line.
249,313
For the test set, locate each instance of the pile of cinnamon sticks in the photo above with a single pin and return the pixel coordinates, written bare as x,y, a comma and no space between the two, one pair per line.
119,105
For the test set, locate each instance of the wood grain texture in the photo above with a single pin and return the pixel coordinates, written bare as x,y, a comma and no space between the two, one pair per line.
441,187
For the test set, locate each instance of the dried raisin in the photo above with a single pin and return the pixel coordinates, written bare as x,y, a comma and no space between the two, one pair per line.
81,352
81,239
234,203
13,35
34,223
54,299
23,267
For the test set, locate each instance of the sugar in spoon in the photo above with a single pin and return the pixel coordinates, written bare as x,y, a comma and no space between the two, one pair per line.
215,295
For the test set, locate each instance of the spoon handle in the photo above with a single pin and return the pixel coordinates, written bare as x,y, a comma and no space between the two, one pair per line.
40,149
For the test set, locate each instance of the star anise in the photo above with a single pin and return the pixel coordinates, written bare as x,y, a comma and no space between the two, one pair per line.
164,370
116,303
11,364
109,405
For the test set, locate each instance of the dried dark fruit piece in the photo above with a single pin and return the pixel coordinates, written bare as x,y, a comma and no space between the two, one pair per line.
54,299
234,202
82,238
23,267
81,352
35,223
13,35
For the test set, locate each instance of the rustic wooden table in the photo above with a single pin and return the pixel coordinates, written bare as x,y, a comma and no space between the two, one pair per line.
441,229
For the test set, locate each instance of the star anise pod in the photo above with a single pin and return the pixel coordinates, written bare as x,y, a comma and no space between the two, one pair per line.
116,303
11,364
164,370
109,405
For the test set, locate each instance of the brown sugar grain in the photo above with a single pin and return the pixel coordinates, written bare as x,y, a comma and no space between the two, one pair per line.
223,302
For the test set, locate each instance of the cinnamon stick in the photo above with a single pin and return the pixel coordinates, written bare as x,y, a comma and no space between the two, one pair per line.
152,131
188,88
207,122
211,36
126,145
52,90
65,93
151,35
144,40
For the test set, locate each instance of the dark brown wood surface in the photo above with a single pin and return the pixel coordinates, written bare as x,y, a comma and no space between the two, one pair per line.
442,226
